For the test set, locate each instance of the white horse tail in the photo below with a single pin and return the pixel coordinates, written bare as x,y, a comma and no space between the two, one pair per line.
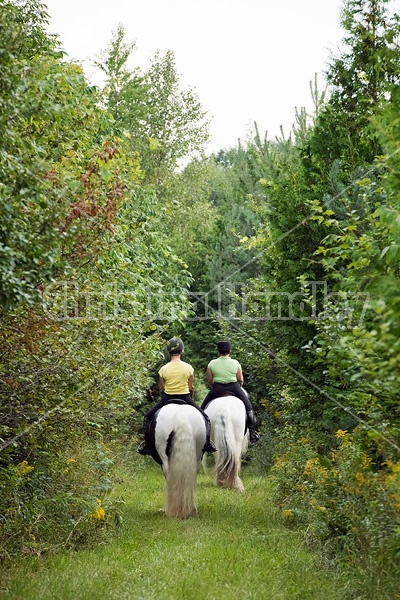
227,461
182,470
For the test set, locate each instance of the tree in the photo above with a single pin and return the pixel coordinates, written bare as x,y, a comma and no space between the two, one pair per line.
125,89
88,286
166,124
361,78
41,164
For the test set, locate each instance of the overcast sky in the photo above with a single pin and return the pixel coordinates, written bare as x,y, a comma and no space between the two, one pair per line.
249,60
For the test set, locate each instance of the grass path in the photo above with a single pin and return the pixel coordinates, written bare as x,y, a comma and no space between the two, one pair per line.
236,548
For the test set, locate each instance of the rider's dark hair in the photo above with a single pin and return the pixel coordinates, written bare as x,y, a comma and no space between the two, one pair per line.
224,347
175,346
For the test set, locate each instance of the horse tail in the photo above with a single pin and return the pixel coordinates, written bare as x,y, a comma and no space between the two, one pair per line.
227,463
182,470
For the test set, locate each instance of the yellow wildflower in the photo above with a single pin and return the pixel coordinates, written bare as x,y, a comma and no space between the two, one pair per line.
310,465
360,477
341,433
314,469
24,468
366,461
288,515
98,514
395,467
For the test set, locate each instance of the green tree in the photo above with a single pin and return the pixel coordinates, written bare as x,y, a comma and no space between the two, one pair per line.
37,181
361,78
89,286
166,124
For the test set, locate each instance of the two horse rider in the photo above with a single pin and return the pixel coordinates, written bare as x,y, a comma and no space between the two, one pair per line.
225,376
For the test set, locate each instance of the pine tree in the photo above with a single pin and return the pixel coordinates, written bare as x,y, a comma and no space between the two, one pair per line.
361,77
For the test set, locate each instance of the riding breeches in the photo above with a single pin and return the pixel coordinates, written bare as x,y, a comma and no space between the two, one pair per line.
187,398
223,389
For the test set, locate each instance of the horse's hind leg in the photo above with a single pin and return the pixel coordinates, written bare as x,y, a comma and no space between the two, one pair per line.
238,484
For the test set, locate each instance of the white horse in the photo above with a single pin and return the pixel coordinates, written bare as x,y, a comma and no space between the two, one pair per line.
179,437
228,425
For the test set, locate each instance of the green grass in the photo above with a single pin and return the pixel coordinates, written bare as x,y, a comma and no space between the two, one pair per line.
236,548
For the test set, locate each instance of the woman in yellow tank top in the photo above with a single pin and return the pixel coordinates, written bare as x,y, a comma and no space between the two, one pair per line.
176,383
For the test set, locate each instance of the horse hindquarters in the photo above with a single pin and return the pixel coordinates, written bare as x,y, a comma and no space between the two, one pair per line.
180,432
228,457
228,420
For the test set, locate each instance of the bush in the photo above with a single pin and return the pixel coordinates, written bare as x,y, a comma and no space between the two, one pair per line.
348,499
58,500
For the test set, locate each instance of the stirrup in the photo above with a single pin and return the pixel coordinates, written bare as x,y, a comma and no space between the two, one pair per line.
210,447
254,436
142,449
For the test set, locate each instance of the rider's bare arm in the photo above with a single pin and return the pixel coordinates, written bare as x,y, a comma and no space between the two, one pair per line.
191,386
162,385
239,376
210,377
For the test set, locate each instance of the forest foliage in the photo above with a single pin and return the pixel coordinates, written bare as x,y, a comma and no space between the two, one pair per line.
290,246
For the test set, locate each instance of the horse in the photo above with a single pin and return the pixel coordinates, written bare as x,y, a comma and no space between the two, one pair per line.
228,432
177,437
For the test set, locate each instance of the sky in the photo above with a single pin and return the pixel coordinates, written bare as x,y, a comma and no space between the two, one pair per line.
248,60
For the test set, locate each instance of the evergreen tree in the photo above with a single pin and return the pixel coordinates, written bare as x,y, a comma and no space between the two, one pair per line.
361,77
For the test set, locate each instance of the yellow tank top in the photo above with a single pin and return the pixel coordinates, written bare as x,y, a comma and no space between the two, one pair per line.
176,376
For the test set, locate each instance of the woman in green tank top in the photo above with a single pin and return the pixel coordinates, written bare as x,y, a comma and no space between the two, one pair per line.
225,376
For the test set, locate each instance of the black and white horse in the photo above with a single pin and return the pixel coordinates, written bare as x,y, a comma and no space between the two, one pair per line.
176,439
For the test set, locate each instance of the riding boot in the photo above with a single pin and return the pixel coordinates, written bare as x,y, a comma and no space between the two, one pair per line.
251,424
142,448
209,446
146,425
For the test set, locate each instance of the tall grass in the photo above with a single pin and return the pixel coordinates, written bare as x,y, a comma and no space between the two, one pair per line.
235,548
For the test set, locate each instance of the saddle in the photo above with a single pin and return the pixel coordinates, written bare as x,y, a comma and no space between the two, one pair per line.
224,395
